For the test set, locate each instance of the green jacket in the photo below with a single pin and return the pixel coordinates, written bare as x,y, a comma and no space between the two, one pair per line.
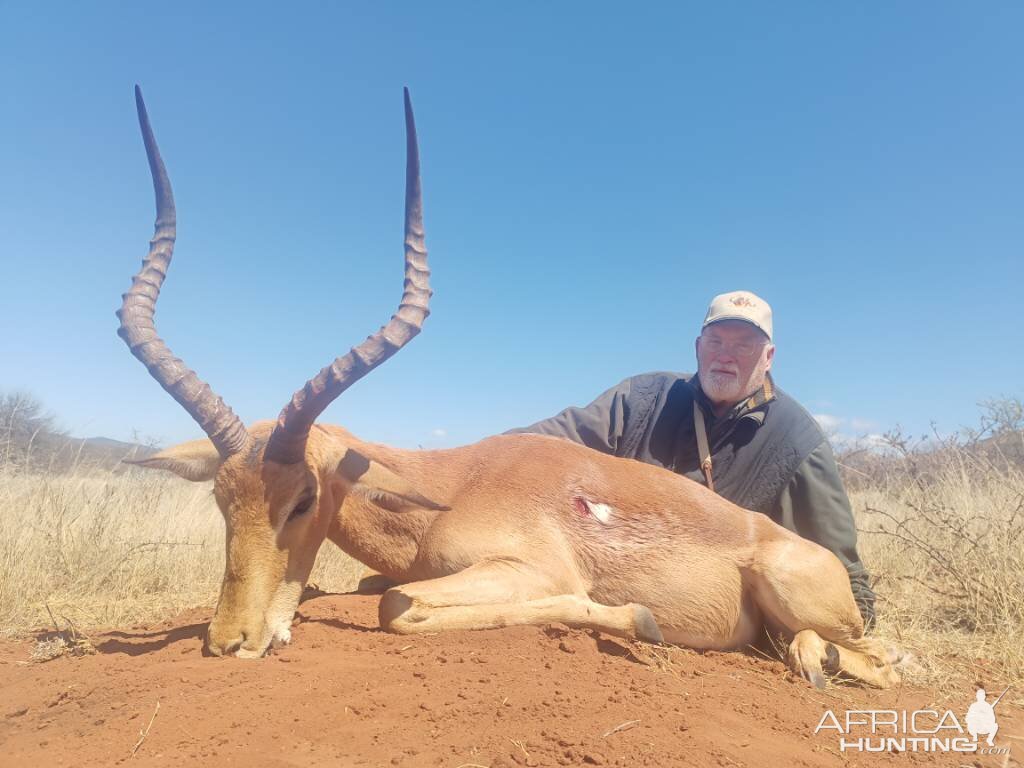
769,455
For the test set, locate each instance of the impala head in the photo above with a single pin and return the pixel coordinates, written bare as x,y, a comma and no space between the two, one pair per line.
277,484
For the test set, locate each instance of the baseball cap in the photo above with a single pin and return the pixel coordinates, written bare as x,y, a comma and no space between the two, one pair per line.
740,305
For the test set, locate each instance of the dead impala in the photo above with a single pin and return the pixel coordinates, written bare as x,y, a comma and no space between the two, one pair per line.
516,529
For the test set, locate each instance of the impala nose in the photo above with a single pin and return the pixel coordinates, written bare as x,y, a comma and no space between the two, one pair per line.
222,646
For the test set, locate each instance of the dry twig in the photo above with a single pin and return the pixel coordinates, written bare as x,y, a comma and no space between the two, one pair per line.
621,727
145,733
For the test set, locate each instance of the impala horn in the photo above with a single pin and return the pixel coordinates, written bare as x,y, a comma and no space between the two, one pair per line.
218,421
288,442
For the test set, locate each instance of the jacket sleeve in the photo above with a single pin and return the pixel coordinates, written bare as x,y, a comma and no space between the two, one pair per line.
816,506
599,425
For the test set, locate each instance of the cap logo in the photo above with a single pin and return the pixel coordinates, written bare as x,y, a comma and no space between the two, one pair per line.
741,301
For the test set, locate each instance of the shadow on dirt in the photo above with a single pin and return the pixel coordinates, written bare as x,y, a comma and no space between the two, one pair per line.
339,624
612,648
603,644
138,643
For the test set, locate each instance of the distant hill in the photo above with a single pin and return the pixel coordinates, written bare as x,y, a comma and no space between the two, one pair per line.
32,440
105,452
61,453
107,444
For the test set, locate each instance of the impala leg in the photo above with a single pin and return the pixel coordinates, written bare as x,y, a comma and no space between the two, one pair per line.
805,591
863,659
504,593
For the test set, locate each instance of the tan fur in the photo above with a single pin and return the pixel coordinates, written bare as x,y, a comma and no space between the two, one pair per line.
490,535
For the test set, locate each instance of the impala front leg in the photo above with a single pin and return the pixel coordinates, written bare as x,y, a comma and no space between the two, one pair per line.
503,593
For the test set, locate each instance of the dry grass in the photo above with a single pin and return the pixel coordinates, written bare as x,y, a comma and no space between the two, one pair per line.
942,531
105,549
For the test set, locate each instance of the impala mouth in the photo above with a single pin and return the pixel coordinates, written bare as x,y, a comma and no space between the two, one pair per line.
277,631
246,653
279,637
282,637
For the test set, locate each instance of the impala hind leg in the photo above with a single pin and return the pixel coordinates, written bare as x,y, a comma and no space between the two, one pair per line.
504,593
805,591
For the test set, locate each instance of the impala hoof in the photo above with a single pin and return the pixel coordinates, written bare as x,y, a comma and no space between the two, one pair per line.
830,664
646,626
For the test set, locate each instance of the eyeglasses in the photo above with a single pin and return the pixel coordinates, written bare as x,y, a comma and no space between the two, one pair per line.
743,350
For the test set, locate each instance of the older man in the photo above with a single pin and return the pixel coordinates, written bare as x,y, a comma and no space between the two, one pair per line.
731,428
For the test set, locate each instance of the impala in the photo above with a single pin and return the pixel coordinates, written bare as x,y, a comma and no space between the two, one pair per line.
516,529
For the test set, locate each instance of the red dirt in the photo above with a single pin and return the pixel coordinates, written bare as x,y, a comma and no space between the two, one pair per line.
345,693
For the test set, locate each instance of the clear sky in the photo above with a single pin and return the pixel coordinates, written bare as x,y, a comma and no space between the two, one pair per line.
593,173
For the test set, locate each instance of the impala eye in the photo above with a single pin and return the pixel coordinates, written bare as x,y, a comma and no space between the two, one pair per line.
302,507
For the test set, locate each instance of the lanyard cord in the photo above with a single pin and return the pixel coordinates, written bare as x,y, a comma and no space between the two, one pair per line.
702,445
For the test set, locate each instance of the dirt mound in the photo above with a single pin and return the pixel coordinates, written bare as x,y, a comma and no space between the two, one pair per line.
346,693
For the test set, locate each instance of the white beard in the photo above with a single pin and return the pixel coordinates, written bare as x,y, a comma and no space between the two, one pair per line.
721,388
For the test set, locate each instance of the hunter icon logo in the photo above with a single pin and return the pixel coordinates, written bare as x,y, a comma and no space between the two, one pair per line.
741,301
981,717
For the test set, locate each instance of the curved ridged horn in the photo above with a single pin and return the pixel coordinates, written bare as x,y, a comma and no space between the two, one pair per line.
288,442
224,428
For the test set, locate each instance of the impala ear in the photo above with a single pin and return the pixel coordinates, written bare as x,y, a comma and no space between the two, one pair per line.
381,485
196,460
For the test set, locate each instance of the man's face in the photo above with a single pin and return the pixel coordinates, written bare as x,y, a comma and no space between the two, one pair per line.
732,359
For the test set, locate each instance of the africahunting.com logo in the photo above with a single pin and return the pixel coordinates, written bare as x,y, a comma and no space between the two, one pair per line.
920,730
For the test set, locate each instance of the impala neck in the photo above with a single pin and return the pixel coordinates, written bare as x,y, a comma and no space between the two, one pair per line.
385,540
388,542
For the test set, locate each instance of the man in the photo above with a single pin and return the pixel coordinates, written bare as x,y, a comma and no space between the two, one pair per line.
730,428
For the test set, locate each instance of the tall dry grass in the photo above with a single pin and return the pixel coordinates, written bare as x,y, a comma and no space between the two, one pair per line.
942,531
103,548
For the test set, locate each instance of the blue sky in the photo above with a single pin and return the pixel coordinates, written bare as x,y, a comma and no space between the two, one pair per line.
592,176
